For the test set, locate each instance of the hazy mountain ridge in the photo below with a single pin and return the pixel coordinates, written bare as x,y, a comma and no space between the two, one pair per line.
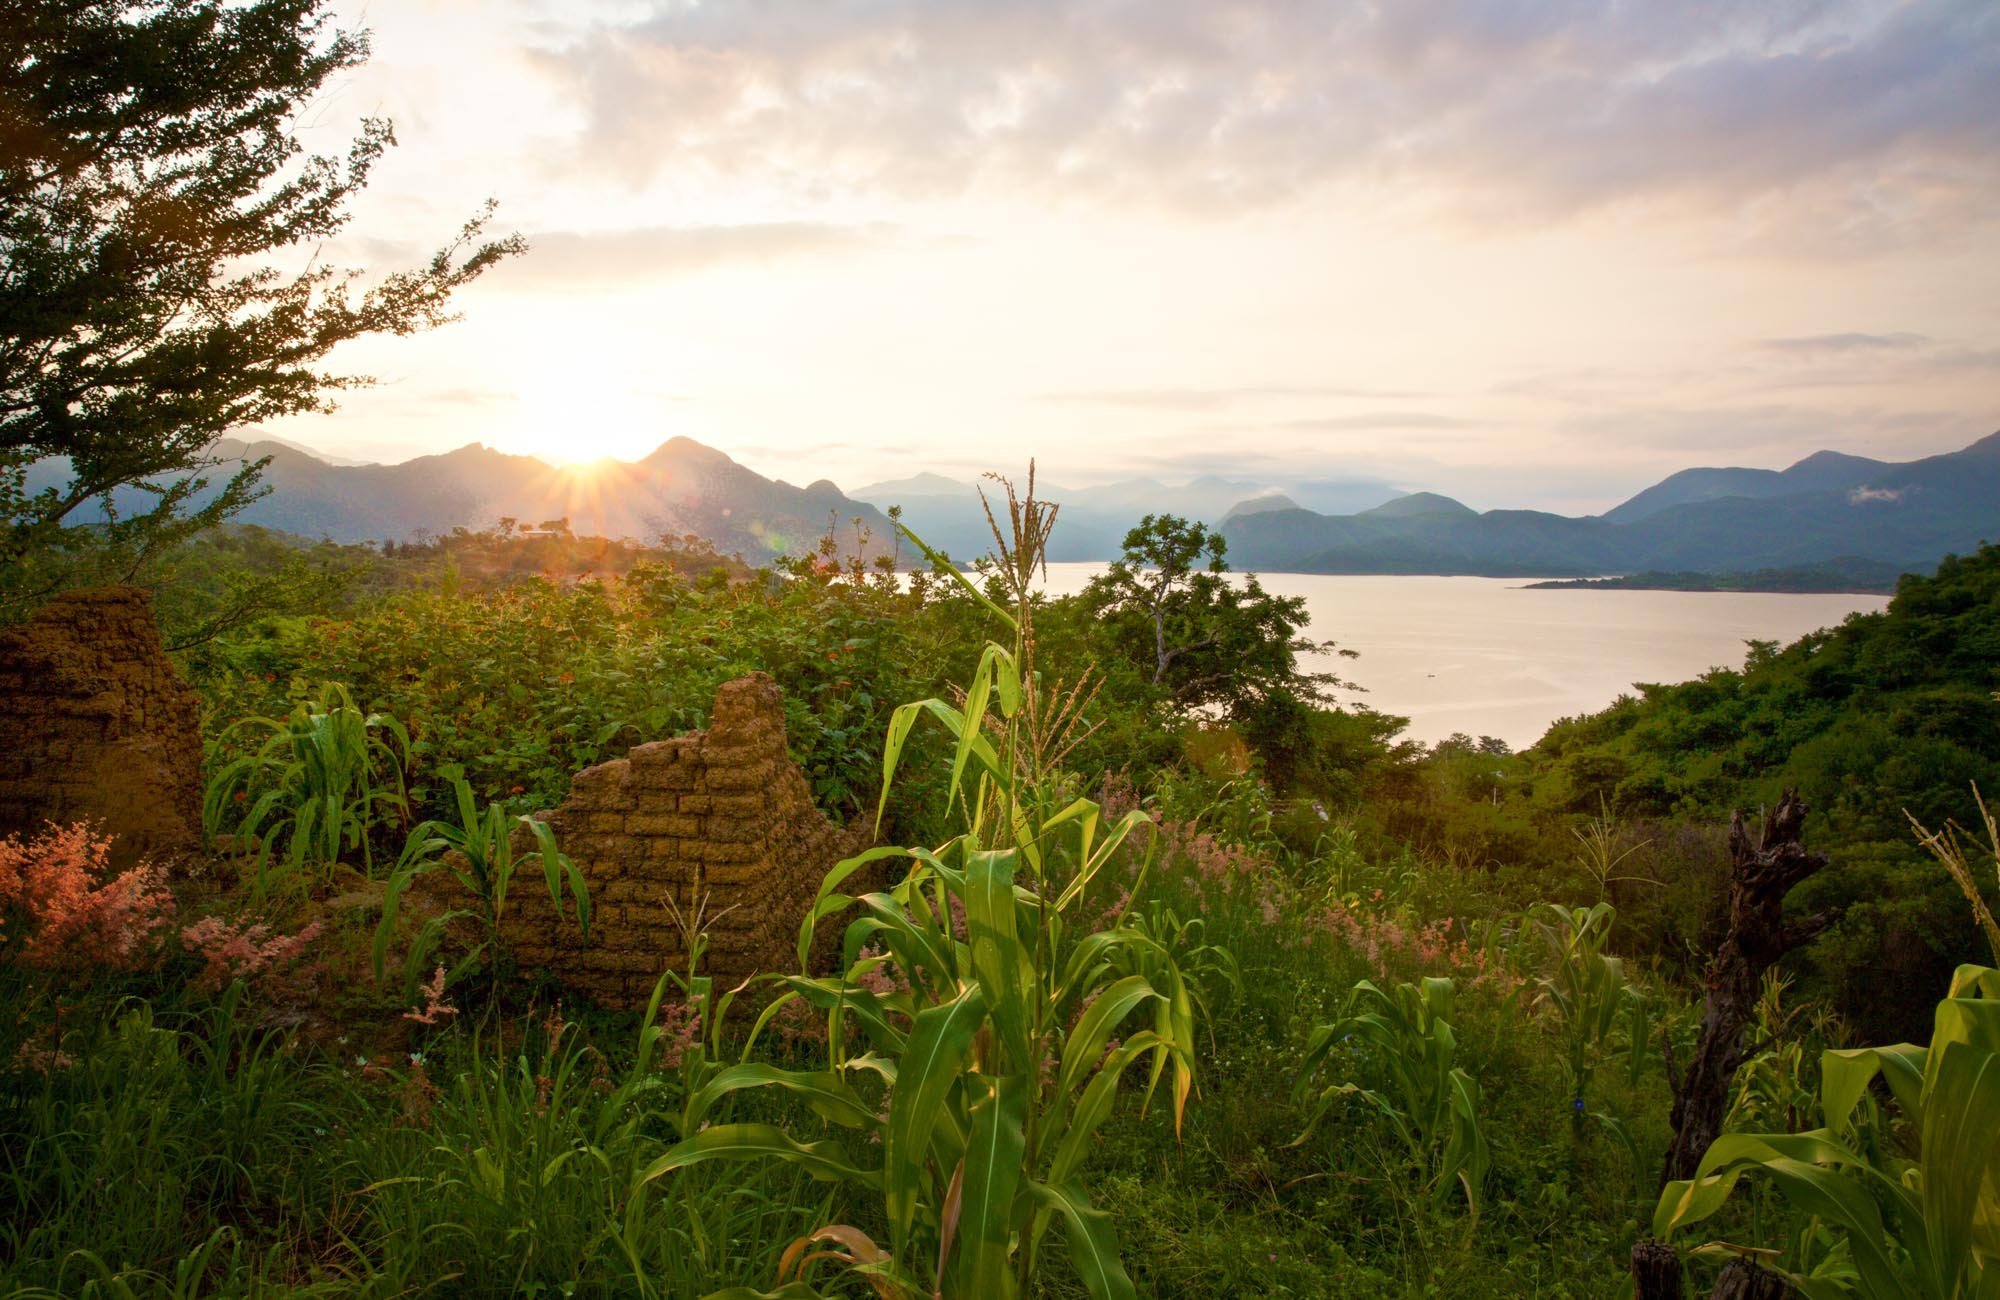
946,512
683,487
1821,471
1707,520
1826,507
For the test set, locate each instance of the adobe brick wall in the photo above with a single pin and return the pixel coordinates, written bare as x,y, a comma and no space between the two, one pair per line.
96,723
721,822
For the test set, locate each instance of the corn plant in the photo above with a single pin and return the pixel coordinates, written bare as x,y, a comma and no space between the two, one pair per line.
1403,1046
1588,994
320,781
479,852
1209,970
1925,1226
978,998
1952,854
1778,1087
1601,855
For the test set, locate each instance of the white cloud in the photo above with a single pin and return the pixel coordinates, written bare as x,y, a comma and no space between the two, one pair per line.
1219,105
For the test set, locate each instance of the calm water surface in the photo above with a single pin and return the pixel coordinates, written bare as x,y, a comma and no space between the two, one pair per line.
1487,657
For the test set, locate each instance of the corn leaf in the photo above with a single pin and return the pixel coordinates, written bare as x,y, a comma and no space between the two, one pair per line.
931,1064
826,1161
1093,1243
990,1182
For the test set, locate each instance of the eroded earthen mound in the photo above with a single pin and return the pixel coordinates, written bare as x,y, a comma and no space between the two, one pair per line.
96,724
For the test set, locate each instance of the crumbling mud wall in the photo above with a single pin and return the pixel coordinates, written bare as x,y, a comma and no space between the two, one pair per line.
718,825
95,723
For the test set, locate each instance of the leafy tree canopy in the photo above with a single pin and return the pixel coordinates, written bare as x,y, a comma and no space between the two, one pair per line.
150,171
1206,641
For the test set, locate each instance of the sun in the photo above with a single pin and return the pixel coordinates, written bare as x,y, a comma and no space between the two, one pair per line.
577,423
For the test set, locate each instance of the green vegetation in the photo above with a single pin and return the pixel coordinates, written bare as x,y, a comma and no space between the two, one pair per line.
1887,1223
1885,718
1155,1000
1181,983
998,1029
1850,573
1431,1103
158,216
323,781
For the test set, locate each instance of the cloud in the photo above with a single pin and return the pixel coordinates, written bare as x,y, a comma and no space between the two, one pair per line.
1380,420
1878,114
592,259
1818,343
1211,399
1860,360
1773,433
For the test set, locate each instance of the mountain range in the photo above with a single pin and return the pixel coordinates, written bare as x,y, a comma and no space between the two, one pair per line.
683,487
1093,521
1829,506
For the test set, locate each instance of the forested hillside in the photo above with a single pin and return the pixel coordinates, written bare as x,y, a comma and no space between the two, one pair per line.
1887,717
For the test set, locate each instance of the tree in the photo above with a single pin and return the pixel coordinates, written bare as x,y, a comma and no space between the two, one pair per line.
1206,641
149,172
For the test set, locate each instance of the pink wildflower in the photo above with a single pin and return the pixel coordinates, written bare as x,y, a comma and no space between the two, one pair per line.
680,1031
435,1007
253,953
69,912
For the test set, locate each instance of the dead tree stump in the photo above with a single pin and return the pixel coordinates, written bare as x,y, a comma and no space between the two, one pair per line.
1656,1272
1759,879
1740,1279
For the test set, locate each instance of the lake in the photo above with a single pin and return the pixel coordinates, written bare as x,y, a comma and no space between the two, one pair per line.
1488,657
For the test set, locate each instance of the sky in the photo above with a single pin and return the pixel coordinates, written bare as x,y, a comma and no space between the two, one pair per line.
1530,253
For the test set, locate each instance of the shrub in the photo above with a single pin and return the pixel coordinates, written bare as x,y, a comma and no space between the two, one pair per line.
261,957
62,908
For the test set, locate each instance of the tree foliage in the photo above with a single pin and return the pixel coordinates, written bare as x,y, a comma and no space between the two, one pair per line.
151,177
1207,642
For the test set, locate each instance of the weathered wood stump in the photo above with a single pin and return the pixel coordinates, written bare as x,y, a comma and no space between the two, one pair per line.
1656,1275
1656,1272
1759,878
1743,1280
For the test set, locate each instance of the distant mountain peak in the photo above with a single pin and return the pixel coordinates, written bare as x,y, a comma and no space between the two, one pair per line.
1826,457
1261,504
680,447
1418,503
924,484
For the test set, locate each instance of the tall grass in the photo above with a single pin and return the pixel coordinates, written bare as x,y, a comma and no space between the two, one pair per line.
1402,1045
159,1159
